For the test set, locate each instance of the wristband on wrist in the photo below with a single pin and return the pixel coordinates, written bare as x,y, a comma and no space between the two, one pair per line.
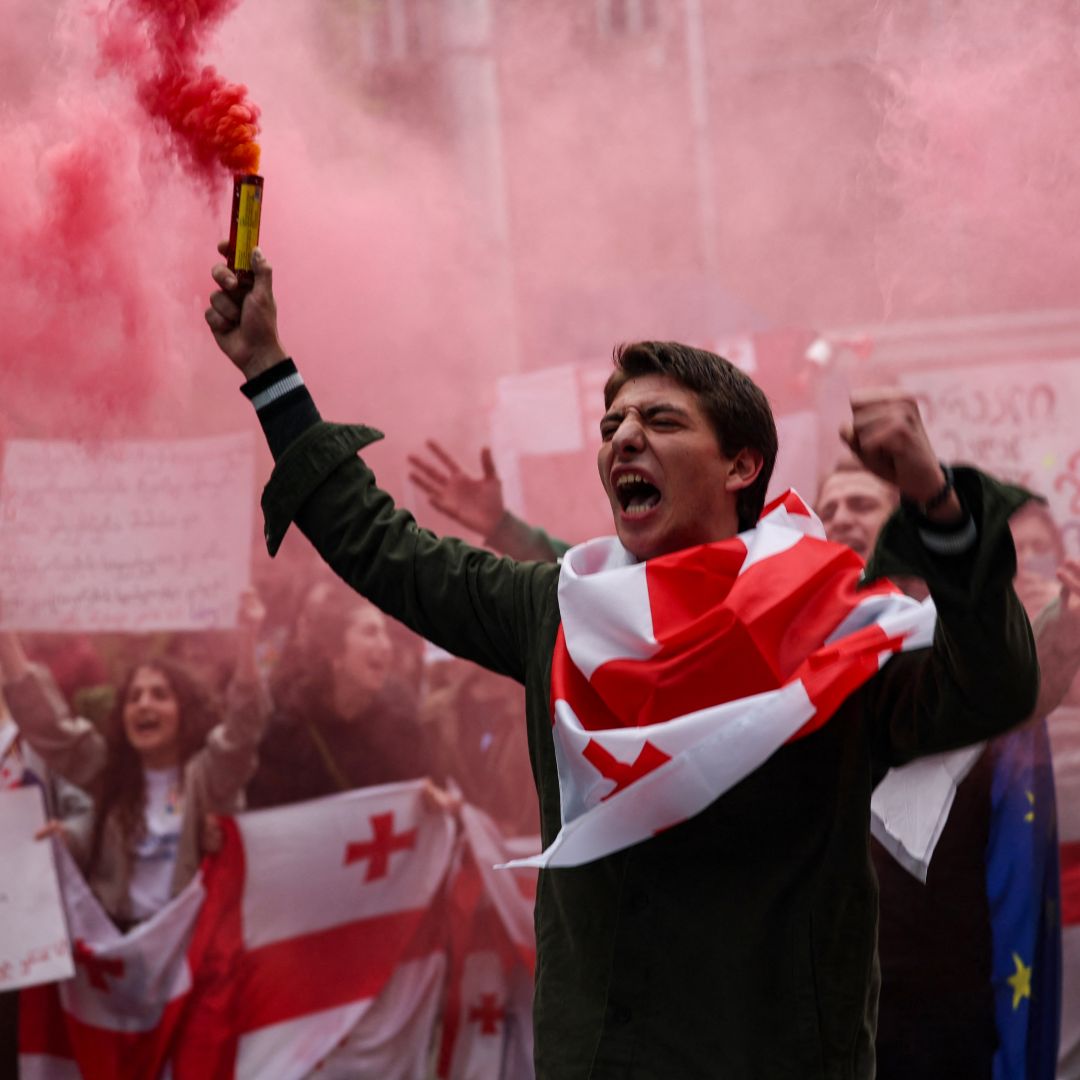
938,499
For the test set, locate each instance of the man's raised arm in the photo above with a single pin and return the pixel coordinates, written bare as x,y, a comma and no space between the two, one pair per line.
244,325
981,676
462,598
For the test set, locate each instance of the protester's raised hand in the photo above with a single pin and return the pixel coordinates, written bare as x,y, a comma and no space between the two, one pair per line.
886,434
52,827
1054,610
244,321
475,501
439,800
1068,574
250,615
1057,601
13,661
251,611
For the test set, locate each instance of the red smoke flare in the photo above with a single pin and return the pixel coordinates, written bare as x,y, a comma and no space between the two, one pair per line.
159,41
211,117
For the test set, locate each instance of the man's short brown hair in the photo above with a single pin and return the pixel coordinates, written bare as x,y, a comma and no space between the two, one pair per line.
849,463
735,405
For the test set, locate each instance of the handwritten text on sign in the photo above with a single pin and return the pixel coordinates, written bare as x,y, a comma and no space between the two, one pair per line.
1017,421
134,535
33,937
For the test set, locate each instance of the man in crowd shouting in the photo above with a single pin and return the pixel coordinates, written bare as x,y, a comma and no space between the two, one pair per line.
741,942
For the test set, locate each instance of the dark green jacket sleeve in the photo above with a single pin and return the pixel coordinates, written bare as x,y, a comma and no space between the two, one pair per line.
981,675
466,600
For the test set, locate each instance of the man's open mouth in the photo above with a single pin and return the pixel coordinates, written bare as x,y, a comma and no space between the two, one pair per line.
636,495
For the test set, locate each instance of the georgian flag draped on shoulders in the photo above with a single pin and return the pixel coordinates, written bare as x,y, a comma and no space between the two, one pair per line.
675,678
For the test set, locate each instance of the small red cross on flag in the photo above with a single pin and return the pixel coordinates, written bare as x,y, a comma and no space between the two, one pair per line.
98,971
487,1014
380,847
623,774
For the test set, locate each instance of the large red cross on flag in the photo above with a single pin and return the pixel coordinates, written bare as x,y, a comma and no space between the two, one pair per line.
380,847
646,733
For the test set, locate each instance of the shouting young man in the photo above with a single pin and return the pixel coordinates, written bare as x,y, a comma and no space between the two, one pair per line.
741,941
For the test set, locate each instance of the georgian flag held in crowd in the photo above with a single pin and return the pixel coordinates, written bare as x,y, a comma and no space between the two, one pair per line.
311,942
487,1017
121,1013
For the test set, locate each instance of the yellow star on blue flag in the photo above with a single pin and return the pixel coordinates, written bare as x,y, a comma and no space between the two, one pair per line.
1020,981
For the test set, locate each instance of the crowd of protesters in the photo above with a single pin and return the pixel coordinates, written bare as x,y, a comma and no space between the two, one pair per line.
140,742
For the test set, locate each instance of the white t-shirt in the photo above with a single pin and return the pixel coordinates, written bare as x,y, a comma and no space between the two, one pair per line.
155,853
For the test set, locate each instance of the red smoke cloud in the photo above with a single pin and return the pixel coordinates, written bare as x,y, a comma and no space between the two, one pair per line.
160,42
107,240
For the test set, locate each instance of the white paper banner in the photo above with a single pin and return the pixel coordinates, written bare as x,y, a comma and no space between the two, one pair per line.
132,535
34,944
1017,421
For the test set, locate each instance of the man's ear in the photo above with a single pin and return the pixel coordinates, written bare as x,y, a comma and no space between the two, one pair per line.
744,469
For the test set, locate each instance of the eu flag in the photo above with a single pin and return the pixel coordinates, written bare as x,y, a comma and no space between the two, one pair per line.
1022,886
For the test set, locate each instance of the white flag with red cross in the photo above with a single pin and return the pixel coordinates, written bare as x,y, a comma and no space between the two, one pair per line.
487,1017
121,1013
675,678
310,943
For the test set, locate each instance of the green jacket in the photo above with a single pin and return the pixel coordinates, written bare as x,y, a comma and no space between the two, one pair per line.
742,942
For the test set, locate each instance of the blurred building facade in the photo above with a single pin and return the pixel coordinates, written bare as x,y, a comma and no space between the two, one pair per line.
739,175
694,168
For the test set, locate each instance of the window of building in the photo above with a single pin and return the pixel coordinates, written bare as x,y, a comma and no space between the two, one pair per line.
619,18
392,32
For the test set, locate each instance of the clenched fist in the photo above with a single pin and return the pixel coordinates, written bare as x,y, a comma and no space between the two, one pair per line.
886,434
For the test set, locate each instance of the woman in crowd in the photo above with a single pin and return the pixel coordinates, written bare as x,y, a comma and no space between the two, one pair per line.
168,756
340,720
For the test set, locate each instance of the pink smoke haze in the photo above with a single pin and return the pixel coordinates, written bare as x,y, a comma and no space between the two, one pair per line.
450,198
978,136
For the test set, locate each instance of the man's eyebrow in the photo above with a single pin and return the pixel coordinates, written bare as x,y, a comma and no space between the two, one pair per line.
648,411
